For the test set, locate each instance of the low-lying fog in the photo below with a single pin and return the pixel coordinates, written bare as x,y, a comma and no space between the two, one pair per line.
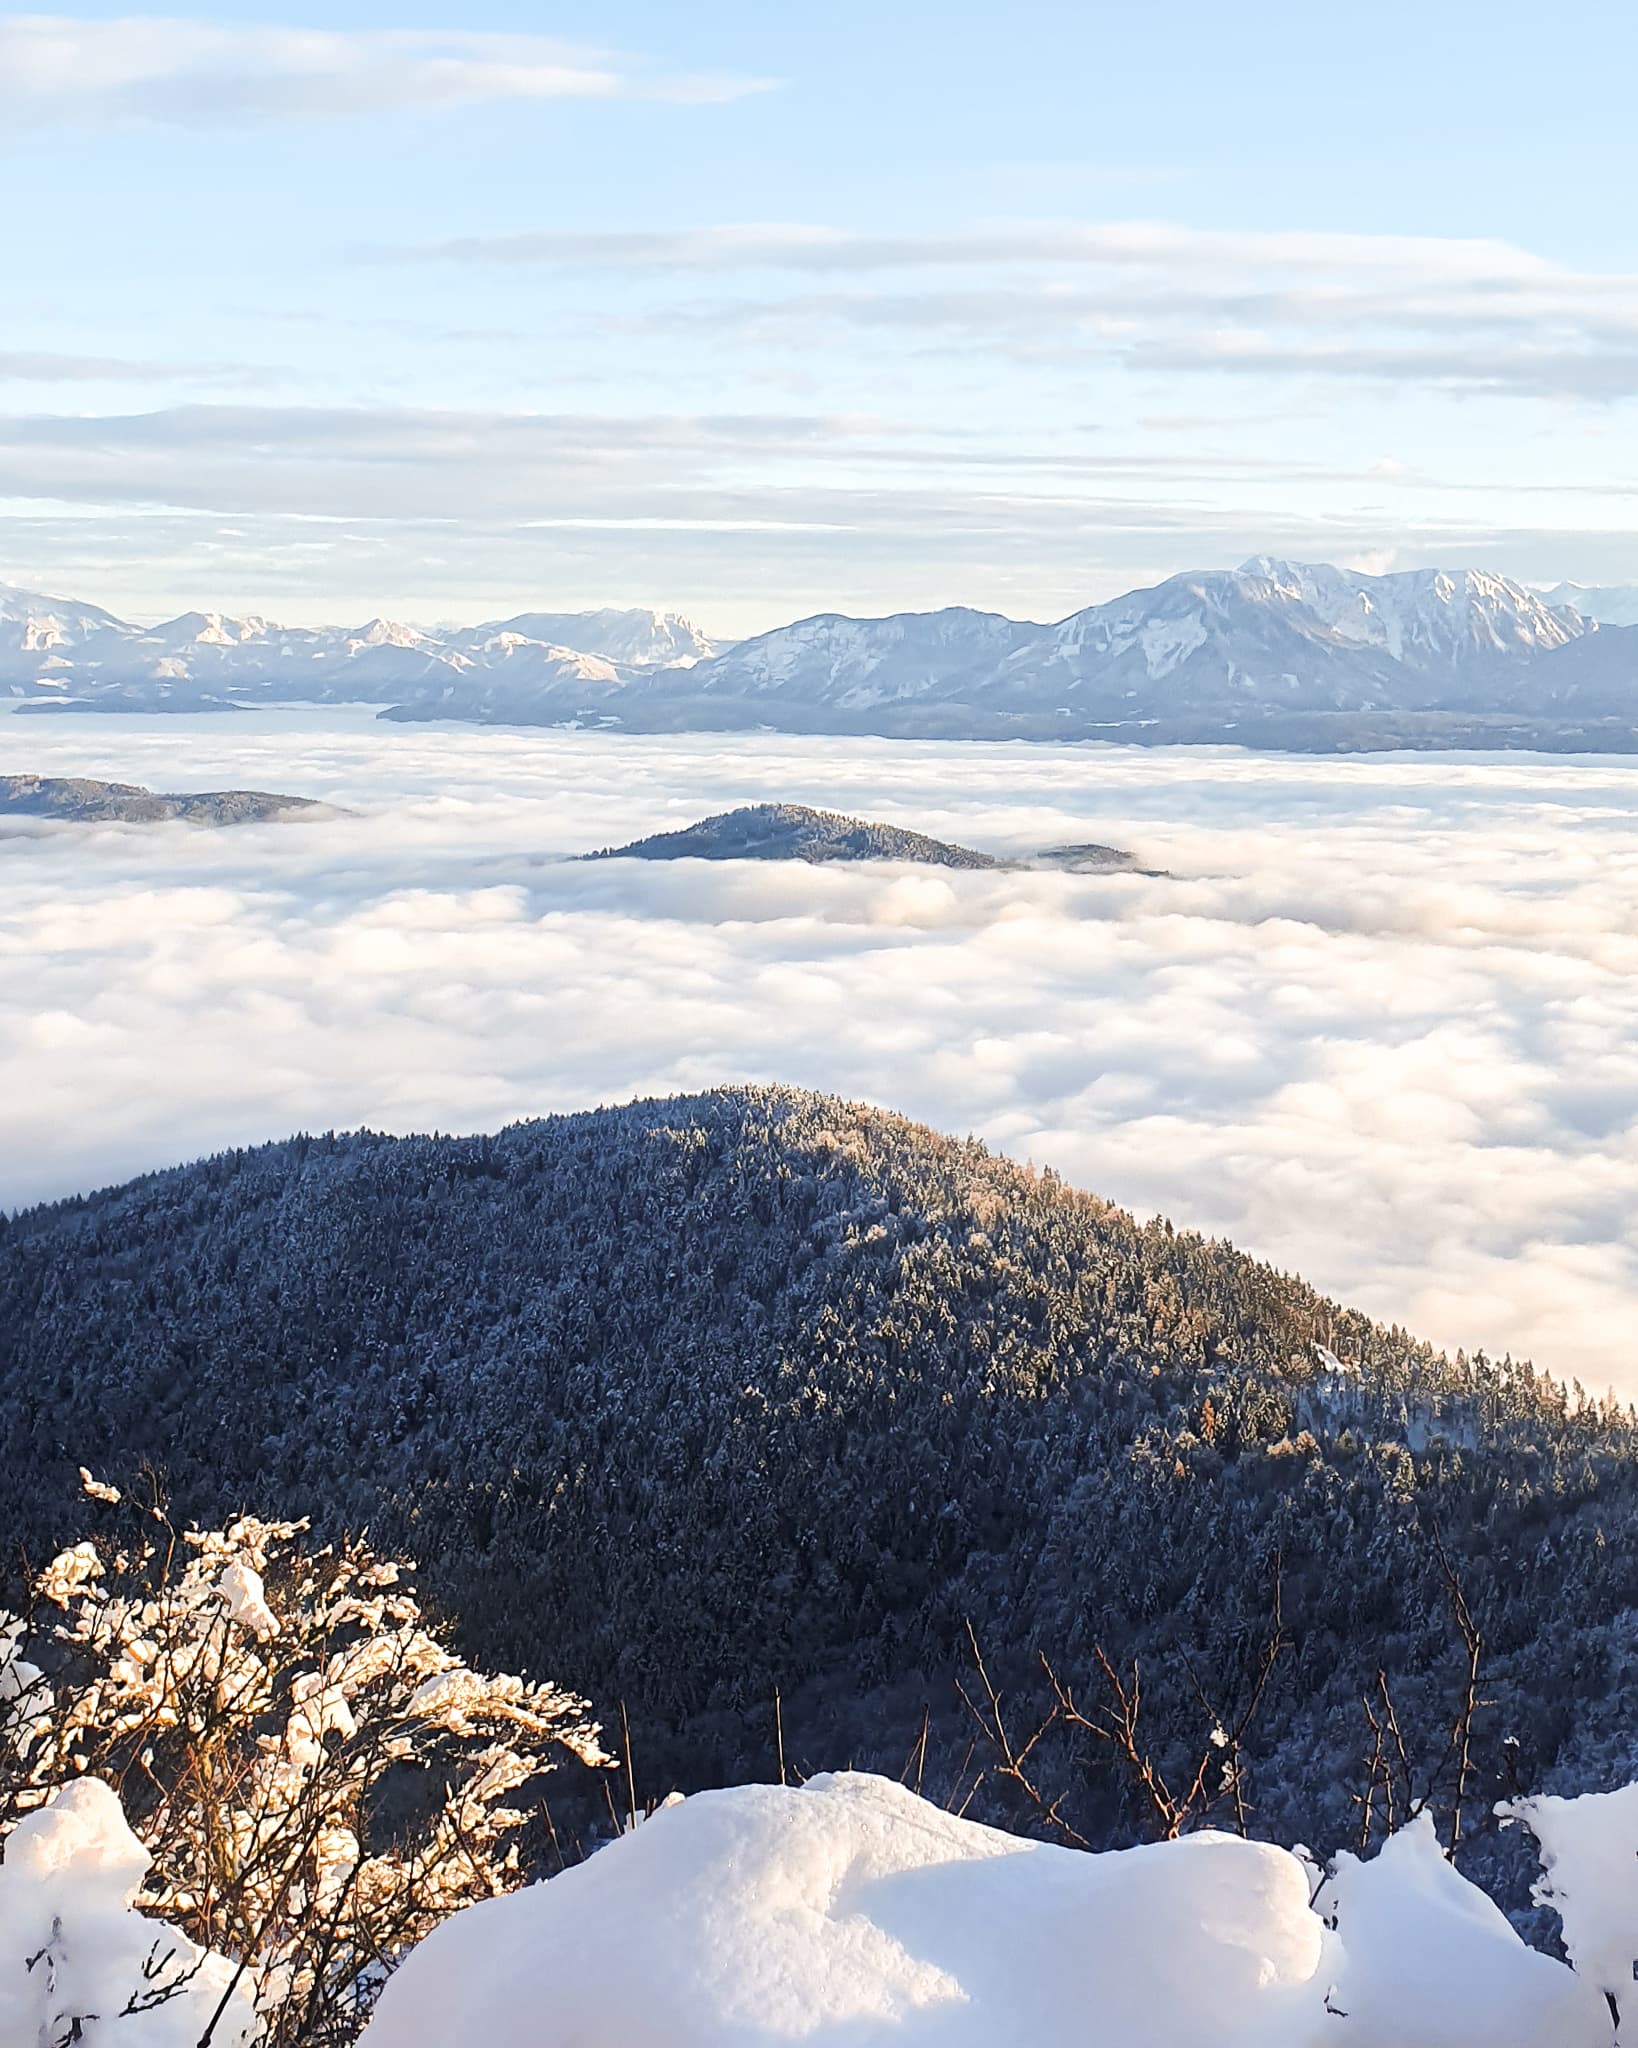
1379,1023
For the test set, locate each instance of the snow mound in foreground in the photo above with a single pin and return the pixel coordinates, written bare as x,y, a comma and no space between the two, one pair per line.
77,1963
848,1913
1589,1855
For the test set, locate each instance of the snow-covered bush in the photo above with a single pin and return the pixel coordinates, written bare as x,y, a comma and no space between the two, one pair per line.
317,1779
849,1910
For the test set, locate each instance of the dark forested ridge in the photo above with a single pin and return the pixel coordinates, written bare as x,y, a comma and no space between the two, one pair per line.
691,1401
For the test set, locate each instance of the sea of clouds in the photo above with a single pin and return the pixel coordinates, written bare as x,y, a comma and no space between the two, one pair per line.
1378,1021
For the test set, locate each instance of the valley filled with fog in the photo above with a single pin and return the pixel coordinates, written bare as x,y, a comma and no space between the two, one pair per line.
1377,1020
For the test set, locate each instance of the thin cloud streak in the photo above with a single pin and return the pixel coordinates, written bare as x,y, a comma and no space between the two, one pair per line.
57,69
327,511
793,246
51,366
1447,313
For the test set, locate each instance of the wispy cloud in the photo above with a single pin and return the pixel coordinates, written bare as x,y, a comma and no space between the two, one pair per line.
55,366
794,246
1458,314
199,74
332,511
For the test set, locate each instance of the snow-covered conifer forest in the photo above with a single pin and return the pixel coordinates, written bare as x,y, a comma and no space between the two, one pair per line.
766,1437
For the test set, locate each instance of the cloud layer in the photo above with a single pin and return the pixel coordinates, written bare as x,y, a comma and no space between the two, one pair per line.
1451,313
1378,1025
345,511
197,74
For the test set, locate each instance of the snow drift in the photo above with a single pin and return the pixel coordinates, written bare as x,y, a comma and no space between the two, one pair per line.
78,1963
851,1914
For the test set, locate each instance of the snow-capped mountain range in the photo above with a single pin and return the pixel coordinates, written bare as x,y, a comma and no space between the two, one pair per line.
54,648
1204,653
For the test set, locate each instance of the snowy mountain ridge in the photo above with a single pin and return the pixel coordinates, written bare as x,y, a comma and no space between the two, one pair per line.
55,648
1201,655
1219,643
1422,616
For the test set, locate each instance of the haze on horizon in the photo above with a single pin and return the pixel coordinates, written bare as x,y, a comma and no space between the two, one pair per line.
756,312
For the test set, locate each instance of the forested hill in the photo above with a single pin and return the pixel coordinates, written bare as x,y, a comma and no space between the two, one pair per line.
796,832
691,1401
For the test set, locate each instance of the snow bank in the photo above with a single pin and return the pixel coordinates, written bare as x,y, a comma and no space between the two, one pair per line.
851,1914
76,1963
1423,1959
1589,1857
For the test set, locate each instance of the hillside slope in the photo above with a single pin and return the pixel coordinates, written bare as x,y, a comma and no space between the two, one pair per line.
695,1400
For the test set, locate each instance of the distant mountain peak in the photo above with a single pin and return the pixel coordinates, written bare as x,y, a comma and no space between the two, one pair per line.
1609,604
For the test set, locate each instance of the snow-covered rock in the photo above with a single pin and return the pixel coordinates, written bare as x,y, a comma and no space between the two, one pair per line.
849,1911
79,1963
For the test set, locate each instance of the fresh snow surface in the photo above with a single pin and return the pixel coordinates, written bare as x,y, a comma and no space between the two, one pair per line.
1589,1857
242,1590
1423,1959
848,1913
77,1963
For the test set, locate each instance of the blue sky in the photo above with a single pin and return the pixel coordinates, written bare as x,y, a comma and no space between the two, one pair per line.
751,311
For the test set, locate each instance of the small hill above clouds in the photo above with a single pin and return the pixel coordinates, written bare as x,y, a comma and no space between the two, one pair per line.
795,832
695,1401
74,800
